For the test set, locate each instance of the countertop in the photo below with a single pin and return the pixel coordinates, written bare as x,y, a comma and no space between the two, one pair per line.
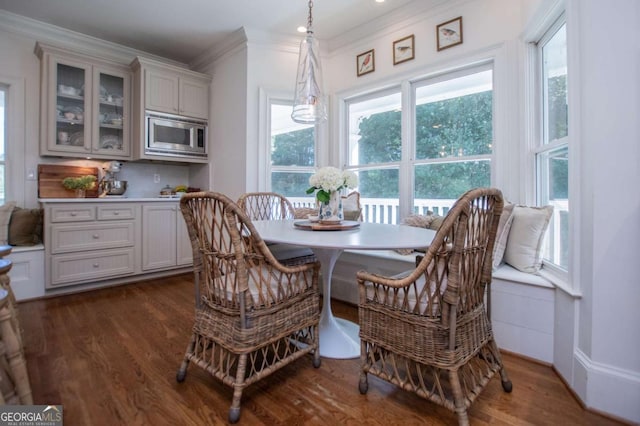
108,200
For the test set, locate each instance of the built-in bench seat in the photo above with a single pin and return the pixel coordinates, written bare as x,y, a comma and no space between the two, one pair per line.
27,271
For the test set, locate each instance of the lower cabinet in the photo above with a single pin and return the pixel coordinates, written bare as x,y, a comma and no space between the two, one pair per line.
165,242
86,242
89,242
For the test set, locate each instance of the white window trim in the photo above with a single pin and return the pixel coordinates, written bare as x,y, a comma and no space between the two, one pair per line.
15,144
266,98
539,25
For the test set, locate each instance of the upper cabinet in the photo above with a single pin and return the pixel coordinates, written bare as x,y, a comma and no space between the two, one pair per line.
85,105
167,89
171,89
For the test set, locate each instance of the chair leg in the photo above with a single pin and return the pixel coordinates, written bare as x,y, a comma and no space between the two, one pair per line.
238,387
461,409
363,386
182,371
507,386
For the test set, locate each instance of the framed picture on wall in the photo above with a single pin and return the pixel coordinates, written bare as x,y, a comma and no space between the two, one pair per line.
449,33
365,62
403,50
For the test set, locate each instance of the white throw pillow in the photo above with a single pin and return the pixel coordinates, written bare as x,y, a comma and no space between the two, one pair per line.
524,245
5,218
506,219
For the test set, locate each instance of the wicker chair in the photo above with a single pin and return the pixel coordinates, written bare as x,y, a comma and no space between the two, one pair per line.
255,315
428,332
273,206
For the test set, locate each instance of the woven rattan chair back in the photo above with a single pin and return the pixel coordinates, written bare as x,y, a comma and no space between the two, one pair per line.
428,331
255,314
266,206
274,206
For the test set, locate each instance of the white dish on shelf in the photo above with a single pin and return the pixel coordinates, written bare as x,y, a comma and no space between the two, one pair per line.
76,139
110,142
68,90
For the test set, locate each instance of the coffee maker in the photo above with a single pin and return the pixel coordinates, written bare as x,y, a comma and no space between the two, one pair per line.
110,185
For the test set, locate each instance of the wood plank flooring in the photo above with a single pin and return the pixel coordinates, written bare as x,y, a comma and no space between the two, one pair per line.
110,358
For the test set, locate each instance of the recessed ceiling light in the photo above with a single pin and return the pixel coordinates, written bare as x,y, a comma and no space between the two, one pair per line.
379,1
302,29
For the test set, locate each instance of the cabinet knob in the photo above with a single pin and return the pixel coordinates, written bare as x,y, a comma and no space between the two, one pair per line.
116,213
73,214
96,265
96,236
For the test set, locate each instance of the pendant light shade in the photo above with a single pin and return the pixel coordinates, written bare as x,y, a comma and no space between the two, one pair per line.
309,103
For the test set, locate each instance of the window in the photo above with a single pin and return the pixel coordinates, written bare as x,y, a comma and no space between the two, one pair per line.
447,152
454,138
3,132
374,153
552,151
293,154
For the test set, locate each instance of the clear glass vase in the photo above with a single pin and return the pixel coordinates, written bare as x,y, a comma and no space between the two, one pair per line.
80,193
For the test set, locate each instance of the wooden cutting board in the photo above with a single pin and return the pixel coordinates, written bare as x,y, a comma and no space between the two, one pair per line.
50,180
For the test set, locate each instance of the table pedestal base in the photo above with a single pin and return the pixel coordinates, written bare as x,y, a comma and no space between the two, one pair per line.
338,337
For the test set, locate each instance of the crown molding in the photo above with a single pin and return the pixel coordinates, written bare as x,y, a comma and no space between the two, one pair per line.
51,34
390,22
230,45
242,38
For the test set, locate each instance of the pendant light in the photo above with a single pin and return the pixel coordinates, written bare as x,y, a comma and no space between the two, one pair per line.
309,104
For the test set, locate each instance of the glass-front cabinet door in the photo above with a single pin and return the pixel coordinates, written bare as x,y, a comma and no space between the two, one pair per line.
85,109
111,134
71,87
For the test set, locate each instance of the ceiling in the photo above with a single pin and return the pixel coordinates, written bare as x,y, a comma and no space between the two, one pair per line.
182,30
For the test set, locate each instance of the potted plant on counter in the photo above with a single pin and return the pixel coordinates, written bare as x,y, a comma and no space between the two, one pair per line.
79,184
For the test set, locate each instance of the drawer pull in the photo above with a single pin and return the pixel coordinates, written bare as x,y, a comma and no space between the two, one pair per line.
96,265
73,214
96,236
116,213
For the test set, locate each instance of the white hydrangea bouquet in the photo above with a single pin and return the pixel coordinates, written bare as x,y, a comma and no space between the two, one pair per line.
330,179
327,183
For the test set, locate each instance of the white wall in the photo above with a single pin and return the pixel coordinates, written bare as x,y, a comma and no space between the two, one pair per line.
607,356
228,122
273,70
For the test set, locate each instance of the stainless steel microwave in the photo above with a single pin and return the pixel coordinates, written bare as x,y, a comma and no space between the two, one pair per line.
175,136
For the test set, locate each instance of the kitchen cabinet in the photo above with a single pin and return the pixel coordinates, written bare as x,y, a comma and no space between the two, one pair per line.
86,242
164,88
172,89
85,105
166,241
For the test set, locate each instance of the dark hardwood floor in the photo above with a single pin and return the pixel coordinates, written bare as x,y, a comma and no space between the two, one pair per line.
110,358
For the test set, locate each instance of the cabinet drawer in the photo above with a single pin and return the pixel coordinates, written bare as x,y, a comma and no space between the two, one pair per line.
70,238
68,269
116,212
74,213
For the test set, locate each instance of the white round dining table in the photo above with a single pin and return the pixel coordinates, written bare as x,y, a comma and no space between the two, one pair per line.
339,337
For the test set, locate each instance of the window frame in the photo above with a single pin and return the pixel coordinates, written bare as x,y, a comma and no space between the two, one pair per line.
4,90
407,90
15,146
267,99
541,146
569,280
